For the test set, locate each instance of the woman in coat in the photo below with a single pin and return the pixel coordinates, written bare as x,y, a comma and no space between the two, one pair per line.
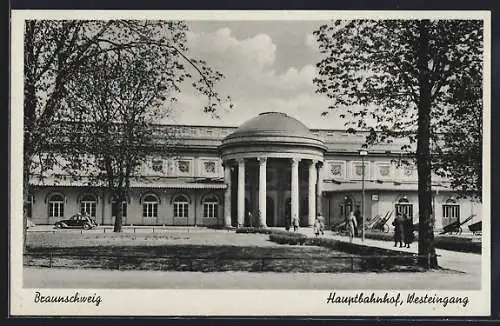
398,230
408,230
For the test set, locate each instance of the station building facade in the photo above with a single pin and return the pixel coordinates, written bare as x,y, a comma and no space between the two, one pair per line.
262,173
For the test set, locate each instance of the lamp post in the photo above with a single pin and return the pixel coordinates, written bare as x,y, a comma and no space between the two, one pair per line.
363,153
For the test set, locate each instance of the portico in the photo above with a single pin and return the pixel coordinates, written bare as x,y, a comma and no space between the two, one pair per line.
271,154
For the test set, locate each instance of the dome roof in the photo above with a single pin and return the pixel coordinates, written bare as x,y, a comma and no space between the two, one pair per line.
272,128
273,123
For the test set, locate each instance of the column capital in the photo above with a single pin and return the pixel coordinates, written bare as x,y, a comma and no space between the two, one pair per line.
295,160
262,159
241,161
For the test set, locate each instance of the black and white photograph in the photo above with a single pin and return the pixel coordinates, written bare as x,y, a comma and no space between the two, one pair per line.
264,163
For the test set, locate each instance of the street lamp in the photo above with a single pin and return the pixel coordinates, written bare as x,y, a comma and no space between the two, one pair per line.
363,153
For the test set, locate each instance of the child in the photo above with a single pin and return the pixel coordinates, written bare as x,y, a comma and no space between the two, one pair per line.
317,227
295,223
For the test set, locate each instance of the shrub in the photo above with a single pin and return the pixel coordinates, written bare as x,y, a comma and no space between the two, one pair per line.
458,244
291,238
446,242
372,258
262,230
253,230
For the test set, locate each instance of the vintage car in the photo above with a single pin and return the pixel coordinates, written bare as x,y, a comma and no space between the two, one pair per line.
77,221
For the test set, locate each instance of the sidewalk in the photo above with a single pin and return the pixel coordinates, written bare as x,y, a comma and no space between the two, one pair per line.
140,279
459,261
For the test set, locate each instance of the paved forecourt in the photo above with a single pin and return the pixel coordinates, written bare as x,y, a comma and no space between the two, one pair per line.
469,263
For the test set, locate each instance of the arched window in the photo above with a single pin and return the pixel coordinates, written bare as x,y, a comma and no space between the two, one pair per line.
150,206
56,206
404,207
88,205
210,207
451,211
181,205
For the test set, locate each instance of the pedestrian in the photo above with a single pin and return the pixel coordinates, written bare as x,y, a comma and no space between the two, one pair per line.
351,225
408,230
398,224
295,223
250,218
317,226
321,220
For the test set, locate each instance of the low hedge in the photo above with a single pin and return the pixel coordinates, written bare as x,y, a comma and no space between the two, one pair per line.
253,230
454,243
462,245
262,230
290,238
371,258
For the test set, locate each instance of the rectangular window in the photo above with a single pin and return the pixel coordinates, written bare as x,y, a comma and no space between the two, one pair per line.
210,210
451,214
181,210
56,209
88,207
150,210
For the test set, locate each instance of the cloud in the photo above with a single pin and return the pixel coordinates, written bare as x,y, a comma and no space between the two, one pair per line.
254,81
311,42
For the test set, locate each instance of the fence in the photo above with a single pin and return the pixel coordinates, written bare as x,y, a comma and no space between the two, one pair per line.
337,263
127,229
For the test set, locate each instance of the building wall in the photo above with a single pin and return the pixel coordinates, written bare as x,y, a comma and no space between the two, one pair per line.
382,202
199,161
73,195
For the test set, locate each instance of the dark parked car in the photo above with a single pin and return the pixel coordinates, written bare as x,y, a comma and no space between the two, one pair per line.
77,221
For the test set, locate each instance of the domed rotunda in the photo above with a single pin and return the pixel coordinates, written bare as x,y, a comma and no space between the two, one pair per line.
270,163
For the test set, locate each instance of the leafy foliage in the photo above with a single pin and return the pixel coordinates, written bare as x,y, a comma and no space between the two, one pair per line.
370,71
410,79
96,87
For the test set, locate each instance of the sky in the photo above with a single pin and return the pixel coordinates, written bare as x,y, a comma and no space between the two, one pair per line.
268,66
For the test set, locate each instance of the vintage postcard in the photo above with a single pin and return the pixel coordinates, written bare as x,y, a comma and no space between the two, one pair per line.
208,163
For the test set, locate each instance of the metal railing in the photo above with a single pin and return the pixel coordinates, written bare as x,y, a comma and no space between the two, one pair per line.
351,263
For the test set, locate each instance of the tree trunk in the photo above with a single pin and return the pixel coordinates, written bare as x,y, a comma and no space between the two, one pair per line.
426,250
120,198
26,174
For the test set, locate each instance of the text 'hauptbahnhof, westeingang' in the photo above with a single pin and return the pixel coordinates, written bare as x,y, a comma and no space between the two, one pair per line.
264,172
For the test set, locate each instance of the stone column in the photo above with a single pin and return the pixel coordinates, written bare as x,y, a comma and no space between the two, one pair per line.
319,192
312,193
262,190
241,192
227,195
295,188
